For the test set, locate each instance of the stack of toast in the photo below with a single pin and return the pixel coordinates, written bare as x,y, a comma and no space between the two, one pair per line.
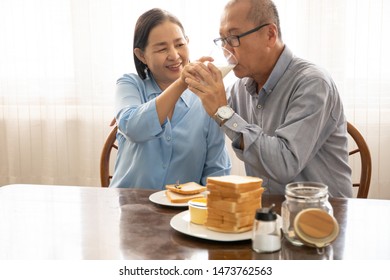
181,193
232,202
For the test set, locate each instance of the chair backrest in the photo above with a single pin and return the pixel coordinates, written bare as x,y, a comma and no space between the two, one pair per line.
365,161
361,147
108,148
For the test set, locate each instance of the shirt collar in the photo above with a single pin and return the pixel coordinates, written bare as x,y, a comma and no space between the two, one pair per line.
279,69
276,74
186,97
153,90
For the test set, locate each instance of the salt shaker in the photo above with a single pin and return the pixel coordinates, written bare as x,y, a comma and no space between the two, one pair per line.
266,234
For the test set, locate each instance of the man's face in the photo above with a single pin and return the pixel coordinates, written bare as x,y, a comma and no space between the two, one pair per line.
253,47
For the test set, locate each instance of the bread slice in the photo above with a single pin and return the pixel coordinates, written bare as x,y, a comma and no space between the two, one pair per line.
227,228
229,224
187,188
230,215
243,220
232,202
230,229
215,194
181,198
234,184
233,207
235,181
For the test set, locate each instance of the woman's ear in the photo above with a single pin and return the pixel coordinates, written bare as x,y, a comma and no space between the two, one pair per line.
140,55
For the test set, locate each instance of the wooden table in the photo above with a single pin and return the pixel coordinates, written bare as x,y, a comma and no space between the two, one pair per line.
69,222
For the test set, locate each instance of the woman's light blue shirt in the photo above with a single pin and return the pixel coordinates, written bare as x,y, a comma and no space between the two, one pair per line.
188,148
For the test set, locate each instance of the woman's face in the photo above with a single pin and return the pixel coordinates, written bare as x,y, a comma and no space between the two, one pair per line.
166,53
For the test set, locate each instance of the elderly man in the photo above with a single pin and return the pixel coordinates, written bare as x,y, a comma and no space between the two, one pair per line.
284,115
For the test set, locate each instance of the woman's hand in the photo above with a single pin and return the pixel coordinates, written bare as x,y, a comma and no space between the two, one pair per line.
188,70
205,80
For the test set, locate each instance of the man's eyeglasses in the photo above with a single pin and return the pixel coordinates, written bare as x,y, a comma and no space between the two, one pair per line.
234,40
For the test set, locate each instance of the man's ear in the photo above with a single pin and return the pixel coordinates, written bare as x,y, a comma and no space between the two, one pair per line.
140,55
272,34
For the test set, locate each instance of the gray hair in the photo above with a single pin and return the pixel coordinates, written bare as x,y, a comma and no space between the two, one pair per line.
262,11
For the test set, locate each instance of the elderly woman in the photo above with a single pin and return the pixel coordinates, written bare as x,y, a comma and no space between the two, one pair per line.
164,133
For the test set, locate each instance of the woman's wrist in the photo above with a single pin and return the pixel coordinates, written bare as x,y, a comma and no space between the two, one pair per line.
181,84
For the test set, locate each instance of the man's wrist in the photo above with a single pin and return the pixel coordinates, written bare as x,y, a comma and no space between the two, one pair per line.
223,114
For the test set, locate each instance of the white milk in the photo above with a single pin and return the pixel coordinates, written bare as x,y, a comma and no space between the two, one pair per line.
266,243
225,69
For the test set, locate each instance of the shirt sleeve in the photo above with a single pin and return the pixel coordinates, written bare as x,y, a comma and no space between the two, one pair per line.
136,116
217,159
308,122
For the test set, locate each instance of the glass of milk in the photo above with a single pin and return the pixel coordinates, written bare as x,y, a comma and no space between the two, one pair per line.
224,60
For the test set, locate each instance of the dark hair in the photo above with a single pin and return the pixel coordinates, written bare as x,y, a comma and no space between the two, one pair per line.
145,23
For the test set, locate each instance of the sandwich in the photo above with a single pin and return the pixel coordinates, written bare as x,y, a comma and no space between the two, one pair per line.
181,198
181,193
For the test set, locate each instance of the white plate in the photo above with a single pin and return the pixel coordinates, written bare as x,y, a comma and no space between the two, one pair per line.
161,199
181,222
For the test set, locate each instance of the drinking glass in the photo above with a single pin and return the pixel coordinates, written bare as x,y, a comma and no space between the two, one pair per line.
224,60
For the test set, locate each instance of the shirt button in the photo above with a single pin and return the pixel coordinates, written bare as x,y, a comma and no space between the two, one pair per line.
235,125
164,166
259,106
169,138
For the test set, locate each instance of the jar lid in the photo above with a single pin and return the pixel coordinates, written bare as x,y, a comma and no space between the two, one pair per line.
266,214
307,190
315,227
200,202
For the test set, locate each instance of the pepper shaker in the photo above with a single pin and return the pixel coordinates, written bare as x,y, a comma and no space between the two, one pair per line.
266,234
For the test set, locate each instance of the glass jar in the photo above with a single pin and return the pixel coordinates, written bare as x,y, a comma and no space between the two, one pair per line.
300,196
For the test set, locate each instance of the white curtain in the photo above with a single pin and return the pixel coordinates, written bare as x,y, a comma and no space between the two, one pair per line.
59,60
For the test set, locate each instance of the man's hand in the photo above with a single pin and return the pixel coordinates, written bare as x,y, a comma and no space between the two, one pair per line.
206,82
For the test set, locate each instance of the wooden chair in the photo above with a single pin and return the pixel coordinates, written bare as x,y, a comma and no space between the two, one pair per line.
361,147
365,161
108,148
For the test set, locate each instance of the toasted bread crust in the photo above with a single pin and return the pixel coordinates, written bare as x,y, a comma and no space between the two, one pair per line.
232,202
216,194
181,198
230,230
235,181
187,188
